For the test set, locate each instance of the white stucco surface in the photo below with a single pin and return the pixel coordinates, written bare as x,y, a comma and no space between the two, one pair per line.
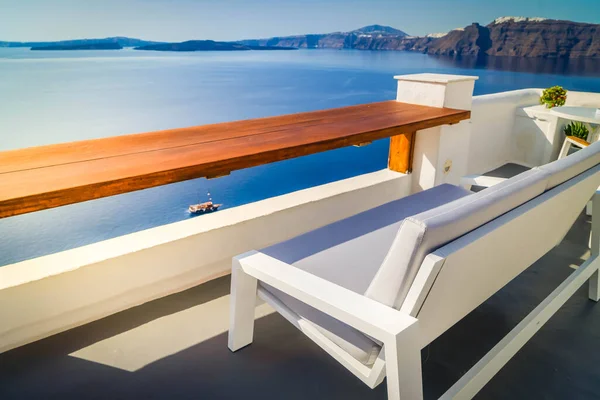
435,78
493,128
53,293
441,153
56,292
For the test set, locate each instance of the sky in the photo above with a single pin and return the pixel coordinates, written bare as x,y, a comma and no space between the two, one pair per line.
178,20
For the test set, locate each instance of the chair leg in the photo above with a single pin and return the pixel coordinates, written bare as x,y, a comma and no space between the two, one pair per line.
594,289
564,151
403,366
594,285
242,305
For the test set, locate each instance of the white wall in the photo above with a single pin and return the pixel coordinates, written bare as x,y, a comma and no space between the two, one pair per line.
583,99
492,127
54,293
502,132
538,132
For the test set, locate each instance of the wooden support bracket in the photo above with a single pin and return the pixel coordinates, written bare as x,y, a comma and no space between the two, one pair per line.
219,175
402,148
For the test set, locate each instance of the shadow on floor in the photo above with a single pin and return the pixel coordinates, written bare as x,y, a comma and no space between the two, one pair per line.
559,363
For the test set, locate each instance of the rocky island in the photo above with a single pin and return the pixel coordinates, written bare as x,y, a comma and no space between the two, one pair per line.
120,40
87,46
209,45
504,37
517,37
361,38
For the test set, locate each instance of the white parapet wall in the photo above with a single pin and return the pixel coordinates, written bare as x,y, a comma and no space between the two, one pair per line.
493,128
50,294
513,127
539,131
583,99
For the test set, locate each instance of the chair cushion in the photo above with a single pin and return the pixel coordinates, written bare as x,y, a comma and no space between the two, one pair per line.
349,253
566,168
423,233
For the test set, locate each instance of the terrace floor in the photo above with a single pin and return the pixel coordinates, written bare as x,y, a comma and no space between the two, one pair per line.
176,348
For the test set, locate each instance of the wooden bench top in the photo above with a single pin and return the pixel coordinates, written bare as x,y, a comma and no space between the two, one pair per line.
39,178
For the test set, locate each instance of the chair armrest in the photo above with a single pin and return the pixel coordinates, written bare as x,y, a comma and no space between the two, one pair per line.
479,180
366,315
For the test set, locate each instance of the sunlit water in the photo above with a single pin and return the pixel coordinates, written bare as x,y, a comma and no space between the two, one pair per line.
52,97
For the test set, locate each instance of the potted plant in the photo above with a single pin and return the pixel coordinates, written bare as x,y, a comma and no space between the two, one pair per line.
577,129
554,97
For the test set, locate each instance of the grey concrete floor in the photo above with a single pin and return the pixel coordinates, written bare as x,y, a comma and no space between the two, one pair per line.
176,348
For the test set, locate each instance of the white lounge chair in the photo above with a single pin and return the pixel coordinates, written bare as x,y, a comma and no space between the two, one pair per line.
374,289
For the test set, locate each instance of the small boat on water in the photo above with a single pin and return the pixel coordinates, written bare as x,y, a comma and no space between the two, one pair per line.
204,208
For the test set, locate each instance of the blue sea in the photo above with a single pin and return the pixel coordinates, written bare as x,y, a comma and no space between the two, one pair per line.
62,96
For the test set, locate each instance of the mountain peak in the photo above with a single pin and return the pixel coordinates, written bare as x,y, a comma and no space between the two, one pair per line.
381,30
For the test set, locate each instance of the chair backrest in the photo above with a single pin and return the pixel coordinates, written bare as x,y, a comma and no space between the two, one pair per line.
419,235
475,266
422,234
566,168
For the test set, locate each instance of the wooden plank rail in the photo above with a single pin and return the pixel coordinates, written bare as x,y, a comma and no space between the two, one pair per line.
44,177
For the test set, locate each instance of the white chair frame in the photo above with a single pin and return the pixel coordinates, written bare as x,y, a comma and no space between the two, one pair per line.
569,142
426,313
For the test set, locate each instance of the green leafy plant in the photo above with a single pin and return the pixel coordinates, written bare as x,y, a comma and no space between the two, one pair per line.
553,97
577,129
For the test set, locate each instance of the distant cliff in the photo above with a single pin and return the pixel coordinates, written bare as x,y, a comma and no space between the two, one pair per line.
369,36
208,45
506,36
470,41
522,37
95,46
543,38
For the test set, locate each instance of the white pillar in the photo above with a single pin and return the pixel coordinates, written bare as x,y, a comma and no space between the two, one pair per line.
441,153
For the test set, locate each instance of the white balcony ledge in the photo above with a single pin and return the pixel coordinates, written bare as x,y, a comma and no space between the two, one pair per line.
59,291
